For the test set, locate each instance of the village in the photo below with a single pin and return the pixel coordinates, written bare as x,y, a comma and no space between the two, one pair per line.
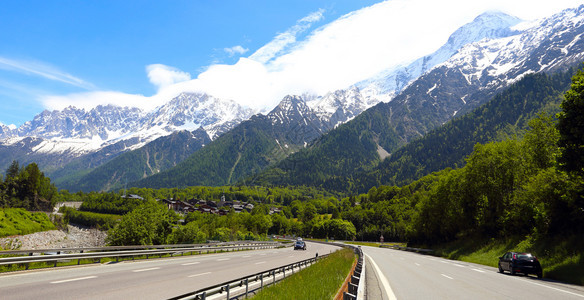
222,207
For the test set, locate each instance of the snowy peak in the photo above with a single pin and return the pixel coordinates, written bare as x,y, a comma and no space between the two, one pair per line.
75,123
491,25
290,110
340,106
189,111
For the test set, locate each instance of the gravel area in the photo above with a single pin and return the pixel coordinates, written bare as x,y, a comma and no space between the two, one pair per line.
76,237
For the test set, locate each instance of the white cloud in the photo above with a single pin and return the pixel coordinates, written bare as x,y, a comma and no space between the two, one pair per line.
163,76
349,49
235,50
43,70
282,40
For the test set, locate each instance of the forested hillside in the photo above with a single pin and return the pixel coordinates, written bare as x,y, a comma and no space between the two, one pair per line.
347,159
158,155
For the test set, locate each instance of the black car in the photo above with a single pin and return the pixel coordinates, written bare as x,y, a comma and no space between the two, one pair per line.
300,245
517,262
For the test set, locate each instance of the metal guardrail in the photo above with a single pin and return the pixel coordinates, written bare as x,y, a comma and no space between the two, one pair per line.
419,250
243,286
121,252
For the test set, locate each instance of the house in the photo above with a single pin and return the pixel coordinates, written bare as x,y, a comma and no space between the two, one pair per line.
132,196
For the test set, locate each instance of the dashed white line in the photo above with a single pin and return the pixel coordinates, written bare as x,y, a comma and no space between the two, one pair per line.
201,274
478,270
222,259
417,264
459,265
261,262
144,270
447,276
74,279
191,263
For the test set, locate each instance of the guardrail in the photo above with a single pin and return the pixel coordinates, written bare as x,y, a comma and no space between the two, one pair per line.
419,250
121,252
243,286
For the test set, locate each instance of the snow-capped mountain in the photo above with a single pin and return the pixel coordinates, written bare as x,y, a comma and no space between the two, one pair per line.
78,130
193,110
340,106
56,138
294,118
480,70
387,84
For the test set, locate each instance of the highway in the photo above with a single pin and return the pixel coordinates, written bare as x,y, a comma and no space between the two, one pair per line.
148,279
396,274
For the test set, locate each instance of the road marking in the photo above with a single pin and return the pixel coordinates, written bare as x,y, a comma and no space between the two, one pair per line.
144,270
553,288
459,265
74,279
417,264
201,274
191,263
222,259
261,262
383,280
478,270
447,276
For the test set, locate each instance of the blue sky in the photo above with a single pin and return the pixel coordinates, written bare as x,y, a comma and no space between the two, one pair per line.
83,53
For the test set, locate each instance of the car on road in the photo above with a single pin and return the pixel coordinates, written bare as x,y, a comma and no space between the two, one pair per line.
519,262
299,244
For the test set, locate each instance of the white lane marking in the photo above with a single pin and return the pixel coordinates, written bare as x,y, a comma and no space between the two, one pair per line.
478,270
383,280
144,270
459,265
201,274
191,263
417,264
553,288
447,276
222,259
261,262
74,279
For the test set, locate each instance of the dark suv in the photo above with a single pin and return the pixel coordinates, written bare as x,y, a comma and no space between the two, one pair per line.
300,245
517,262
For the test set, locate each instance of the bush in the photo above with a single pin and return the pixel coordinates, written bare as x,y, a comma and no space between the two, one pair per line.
90,219
18,221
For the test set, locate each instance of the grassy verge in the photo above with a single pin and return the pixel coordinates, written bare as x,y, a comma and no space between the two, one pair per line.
319,281
562,258
18,221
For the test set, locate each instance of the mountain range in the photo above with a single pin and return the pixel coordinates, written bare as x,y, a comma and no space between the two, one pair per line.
197,139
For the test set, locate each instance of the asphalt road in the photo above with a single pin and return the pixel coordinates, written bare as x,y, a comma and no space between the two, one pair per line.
148,279
396,274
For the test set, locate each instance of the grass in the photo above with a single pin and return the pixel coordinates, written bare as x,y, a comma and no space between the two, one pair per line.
18,221
561,258
319,281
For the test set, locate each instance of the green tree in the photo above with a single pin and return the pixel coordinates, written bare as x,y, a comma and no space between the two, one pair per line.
571,126
148,224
